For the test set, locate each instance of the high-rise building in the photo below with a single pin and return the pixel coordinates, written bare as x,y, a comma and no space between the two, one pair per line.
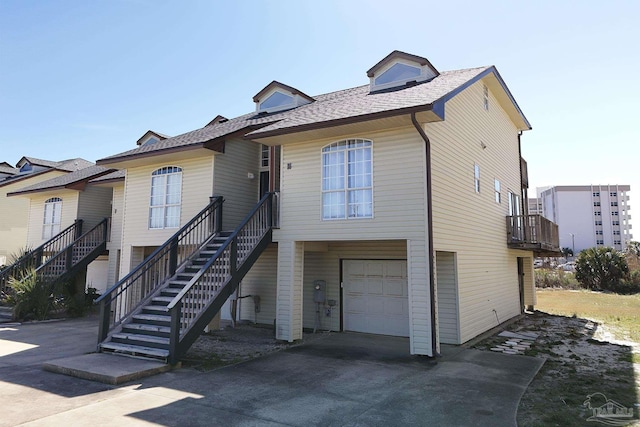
587,215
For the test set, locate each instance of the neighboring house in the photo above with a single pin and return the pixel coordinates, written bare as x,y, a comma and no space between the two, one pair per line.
400,211
62,202
588,215
14,212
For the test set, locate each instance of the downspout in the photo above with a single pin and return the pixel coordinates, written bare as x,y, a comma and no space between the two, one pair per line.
432,277
524,191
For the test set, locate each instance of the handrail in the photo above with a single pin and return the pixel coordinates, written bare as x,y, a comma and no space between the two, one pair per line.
129,292
227,266
62,262
34,258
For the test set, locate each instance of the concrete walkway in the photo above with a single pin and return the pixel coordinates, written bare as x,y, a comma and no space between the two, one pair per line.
338,379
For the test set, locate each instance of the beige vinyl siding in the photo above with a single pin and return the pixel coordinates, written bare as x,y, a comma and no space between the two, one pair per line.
94,205
420,298
197,176
398,181
14,215
36,213
231,180
472,224
115,239
261,280
447,298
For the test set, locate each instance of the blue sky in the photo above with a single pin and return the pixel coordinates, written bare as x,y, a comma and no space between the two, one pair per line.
87,79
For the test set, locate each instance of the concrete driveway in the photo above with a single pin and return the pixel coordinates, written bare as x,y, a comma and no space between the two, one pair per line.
337,379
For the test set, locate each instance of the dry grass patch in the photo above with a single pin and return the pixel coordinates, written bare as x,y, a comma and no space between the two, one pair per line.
618,312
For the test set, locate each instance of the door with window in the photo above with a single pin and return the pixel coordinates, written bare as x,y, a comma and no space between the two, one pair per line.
52,217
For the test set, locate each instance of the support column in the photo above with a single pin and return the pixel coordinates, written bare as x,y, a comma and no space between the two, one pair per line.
289,291
529,283
420,304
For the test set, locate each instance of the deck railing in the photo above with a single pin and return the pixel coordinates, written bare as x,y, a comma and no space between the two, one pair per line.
216,280
532,230
36,257
123,298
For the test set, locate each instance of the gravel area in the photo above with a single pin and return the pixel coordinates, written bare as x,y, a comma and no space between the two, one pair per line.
233,345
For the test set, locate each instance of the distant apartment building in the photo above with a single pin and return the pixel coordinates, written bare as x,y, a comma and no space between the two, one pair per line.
587,215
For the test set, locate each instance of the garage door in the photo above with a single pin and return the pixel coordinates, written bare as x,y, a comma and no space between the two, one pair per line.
375,297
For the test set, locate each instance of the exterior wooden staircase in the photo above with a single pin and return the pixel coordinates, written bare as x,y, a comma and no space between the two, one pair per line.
61,257
161,307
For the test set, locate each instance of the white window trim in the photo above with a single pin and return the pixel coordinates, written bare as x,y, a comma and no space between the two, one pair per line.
48,228
346,189
476,178
164,206
497,188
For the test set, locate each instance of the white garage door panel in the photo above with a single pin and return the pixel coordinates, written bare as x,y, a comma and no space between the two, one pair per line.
376,297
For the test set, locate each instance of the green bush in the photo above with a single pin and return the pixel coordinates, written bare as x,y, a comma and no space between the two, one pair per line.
601,269
555,279
630,284
31,297
78,304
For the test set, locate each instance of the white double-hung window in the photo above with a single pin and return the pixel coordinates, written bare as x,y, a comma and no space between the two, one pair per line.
166,196
347,179
52,217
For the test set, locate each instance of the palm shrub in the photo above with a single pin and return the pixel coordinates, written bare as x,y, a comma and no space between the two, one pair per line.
601,269
31,296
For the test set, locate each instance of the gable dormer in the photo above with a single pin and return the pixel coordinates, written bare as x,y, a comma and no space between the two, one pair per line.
151,137
277,96
399,68
217,119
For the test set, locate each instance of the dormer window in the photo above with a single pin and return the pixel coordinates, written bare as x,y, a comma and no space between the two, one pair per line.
279,97
398,72
277,100
399,68
26,168
151,140
151,137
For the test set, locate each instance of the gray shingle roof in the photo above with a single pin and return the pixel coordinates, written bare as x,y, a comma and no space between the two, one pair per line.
119,174
7,168
354,103
68,165
76,177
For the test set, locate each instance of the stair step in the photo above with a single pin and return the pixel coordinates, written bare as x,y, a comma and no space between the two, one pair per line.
154,309
178,283
147,329
140,340
162,299
135,350
170,292
154,319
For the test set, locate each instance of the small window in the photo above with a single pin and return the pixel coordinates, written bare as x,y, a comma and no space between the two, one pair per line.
52,217
615,222
614,213
276,99
347,180
151,140
616,232
476,176
596,194
26,168
598,232
613,194
599,242
617,242
264,156
496,186
597,213
596,203
166,196
614,203
398,72
598,222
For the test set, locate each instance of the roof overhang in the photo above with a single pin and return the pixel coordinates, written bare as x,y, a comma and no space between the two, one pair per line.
167,155
350,125
79,185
